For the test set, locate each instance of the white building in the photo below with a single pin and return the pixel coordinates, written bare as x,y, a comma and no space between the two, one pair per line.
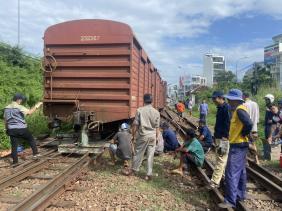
273,59
197,80
188,83
212,65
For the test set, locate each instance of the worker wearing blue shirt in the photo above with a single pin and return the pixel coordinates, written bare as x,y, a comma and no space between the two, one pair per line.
170,140
205,137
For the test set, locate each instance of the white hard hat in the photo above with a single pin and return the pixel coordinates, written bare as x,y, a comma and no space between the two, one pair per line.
124,126
270,97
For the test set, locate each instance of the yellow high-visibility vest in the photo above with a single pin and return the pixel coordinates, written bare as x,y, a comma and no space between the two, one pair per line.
236,127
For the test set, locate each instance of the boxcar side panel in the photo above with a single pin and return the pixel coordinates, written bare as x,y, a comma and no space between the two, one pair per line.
87,67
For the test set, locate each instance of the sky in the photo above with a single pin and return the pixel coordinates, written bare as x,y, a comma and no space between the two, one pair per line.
175,34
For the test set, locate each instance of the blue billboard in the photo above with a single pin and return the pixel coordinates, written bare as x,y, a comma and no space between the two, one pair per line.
270,54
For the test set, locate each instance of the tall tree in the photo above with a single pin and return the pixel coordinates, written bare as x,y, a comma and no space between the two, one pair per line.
260,77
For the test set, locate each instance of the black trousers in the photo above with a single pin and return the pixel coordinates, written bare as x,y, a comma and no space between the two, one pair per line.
16,135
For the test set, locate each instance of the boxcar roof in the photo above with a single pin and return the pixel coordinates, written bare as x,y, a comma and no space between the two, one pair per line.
88,31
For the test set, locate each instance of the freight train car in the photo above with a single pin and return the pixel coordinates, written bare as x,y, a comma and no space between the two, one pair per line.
97,71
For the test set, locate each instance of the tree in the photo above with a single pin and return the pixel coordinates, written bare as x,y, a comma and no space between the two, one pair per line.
225,80
260,77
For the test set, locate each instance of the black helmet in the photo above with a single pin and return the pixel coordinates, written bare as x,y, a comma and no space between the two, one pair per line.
164,125
148,98
190,132
19,96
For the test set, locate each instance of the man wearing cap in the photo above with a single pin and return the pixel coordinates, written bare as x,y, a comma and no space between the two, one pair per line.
121,145
221,135
253,110
146,130
15,124
268,123
240,128
170,140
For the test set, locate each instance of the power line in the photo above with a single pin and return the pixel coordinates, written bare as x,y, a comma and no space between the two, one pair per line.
19,23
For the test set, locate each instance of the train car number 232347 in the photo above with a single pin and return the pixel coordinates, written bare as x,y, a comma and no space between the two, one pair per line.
89,38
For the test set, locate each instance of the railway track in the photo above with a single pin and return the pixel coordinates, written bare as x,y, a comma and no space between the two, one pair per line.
260,178
35,185
215,193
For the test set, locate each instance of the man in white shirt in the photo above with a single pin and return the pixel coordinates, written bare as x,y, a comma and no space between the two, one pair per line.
253,110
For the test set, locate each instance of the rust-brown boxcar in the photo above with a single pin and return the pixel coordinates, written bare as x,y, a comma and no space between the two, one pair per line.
97,66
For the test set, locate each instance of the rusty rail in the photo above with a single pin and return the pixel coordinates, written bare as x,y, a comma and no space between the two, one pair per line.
215,193
42,198
24,173
268,180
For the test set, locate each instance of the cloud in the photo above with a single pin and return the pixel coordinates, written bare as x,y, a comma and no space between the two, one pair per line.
153,21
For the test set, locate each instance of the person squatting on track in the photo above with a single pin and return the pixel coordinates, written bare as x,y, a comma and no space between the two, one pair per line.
121,145
170,140
191,153
240,128
146,130
205,137
253,110
221,135
16,127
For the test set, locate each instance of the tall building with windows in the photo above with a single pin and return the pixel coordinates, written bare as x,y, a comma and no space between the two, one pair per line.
212,65
188,83
273,59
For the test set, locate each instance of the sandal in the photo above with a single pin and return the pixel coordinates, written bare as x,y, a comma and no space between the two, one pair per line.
148,178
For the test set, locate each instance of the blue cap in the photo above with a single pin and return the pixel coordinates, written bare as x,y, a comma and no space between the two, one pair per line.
216,94
234,94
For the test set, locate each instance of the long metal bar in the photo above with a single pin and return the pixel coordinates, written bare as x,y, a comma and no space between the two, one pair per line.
12,179
215,193
276,191
41,199
266,173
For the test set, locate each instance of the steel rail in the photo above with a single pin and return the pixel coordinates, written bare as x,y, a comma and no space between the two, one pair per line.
266,173
215,193
21,166
258,173
276,190
42,198
13,178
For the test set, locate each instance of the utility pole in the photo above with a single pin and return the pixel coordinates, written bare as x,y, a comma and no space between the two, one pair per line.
19,23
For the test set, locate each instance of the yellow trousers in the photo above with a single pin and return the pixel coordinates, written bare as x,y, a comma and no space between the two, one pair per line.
220,164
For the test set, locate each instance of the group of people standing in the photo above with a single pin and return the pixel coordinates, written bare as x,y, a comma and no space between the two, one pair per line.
235,130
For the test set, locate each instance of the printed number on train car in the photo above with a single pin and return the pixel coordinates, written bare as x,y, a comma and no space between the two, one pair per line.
89,38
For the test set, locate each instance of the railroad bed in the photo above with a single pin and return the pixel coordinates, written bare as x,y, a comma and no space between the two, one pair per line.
41,183
264,188
33,184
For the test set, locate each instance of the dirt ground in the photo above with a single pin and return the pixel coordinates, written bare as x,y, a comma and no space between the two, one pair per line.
105,188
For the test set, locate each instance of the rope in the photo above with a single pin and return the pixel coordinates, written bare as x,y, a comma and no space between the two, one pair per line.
51,67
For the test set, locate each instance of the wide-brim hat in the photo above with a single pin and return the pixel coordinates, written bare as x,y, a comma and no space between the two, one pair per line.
234,94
